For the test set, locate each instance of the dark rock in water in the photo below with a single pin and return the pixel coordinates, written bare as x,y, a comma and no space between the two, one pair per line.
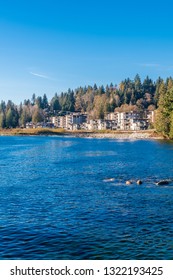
128,182
163,182
139,182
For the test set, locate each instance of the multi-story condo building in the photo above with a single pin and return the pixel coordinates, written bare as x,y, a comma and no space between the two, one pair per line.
132,120
69,121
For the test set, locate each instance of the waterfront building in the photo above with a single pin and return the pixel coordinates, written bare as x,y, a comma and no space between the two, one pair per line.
131,120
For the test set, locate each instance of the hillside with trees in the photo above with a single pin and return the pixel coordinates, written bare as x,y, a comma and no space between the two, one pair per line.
97,101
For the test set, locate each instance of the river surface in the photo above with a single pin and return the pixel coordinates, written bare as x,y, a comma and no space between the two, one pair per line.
57,202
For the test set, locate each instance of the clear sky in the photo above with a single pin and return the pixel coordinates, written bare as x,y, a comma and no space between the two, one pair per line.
52,45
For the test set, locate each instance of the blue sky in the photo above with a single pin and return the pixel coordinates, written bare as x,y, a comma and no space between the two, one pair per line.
50,46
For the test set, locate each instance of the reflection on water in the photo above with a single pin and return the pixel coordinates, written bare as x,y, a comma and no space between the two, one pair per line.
66,198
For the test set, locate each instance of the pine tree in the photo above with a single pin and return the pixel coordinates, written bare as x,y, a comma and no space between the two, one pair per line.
171,126
163,121
2,120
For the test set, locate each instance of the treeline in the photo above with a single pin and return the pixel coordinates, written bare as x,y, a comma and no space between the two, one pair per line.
164,112
35,110
97,101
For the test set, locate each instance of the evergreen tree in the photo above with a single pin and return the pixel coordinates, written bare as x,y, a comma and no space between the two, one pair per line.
44,102
2,120
55,104
39,102
159,84
171,126
148,86
163,121
9,118
137,83
33,99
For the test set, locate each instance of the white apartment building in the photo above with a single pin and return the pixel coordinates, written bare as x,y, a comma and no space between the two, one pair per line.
69,121
73,120
132,120
59,121
126,119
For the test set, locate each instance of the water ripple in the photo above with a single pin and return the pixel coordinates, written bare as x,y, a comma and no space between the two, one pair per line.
56,201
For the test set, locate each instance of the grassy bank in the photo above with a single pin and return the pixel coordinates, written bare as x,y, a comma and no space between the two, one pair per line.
83,133
32,131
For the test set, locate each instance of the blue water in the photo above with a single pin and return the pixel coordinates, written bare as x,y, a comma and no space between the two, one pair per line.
56,204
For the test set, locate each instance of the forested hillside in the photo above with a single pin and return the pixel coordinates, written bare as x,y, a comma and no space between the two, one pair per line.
97,101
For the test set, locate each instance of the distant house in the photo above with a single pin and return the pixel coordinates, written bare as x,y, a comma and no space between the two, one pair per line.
30,125
39,125
97,124
150,115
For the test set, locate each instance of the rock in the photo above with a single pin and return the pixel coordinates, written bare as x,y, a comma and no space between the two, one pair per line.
128,182
139,182
163,182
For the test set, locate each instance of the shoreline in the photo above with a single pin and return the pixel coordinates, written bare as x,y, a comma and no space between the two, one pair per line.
123,136
142,134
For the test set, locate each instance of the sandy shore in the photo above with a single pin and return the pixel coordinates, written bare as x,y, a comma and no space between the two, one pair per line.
120,135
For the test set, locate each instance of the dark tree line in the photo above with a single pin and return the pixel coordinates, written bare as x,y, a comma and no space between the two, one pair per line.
164,112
